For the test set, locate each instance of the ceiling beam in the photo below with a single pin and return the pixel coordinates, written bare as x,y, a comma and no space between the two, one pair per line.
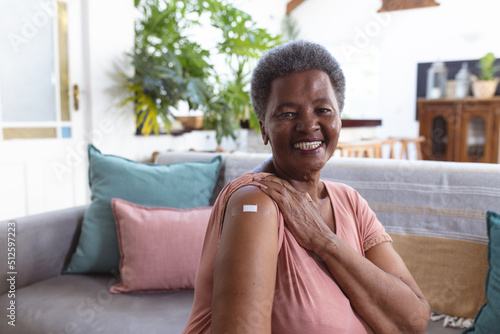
292,4
392,5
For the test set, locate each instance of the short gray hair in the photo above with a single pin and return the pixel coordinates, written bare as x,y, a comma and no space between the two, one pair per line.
294,56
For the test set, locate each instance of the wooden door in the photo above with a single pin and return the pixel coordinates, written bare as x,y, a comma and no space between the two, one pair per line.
42,115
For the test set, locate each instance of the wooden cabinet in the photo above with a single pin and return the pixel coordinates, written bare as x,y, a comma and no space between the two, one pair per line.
464,130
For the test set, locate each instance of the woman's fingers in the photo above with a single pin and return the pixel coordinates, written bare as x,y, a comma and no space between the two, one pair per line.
283,192
274,192
298,208
276,182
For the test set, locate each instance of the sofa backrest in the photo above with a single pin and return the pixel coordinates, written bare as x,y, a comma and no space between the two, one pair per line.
233,165
434,211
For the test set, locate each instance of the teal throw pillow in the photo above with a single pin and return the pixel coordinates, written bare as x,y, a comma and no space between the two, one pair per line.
488,318
182,185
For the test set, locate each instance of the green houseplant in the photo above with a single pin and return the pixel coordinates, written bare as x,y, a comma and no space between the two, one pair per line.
484,86
171,66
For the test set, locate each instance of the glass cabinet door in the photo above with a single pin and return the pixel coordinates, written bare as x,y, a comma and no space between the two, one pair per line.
439,136
476,138
438,126
476,133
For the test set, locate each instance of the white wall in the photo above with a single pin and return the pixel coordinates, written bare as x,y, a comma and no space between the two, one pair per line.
379,52
268,14
110,35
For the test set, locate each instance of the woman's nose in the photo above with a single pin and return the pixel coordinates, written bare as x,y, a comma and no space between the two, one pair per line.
307,123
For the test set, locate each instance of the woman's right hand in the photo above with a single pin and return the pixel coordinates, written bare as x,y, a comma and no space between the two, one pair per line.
300,212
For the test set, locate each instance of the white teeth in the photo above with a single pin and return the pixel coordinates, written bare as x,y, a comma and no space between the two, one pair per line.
307,145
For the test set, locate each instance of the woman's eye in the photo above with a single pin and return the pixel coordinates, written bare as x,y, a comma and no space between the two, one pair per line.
324,110
286,115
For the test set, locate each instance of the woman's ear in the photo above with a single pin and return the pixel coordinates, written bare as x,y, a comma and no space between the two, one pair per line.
263,133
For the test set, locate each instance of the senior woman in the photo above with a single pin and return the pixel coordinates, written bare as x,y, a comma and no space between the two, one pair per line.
286,252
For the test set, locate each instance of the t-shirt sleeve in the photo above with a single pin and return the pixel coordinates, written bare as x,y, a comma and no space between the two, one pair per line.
371,229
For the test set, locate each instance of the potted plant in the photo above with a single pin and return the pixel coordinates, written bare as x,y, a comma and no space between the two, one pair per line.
485,84
170,66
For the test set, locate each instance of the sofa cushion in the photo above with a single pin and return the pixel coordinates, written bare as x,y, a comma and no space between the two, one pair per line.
83,304
449,272
487,319
179,185
160,248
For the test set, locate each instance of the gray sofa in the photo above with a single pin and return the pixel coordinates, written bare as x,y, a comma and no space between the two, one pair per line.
439,202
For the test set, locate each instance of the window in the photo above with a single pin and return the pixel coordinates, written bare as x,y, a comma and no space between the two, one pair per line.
34,91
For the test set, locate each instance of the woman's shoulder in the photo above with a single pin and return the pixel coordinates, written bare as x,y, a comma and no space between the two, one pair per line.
247,196
241,191
249,212
245,185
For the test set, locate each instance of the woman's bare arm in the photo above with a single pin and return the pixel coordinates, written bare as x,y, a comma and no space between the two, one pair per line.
245,265
380,287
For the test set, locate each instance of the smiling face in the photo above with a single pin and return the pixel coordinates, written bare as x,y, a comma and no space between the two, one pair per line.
302,123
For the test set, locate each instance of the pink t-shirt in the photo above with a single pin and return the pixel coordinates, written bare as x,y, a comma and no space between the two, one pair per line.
307,299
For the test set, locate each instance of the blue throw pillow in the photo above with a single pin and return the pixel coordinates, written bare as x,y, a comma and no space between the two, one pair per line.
183,185
488,318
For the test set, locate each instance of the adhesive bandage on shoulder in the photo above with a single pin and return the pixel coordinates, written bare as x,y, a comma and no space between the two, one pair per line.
249,208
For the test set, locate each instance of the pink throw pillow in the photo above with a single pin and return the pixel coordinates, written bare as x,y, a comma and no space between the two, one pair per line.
160,247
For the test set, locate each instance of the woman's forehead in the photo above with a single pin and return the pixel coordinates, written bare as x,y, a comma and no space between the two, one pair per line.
298,83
